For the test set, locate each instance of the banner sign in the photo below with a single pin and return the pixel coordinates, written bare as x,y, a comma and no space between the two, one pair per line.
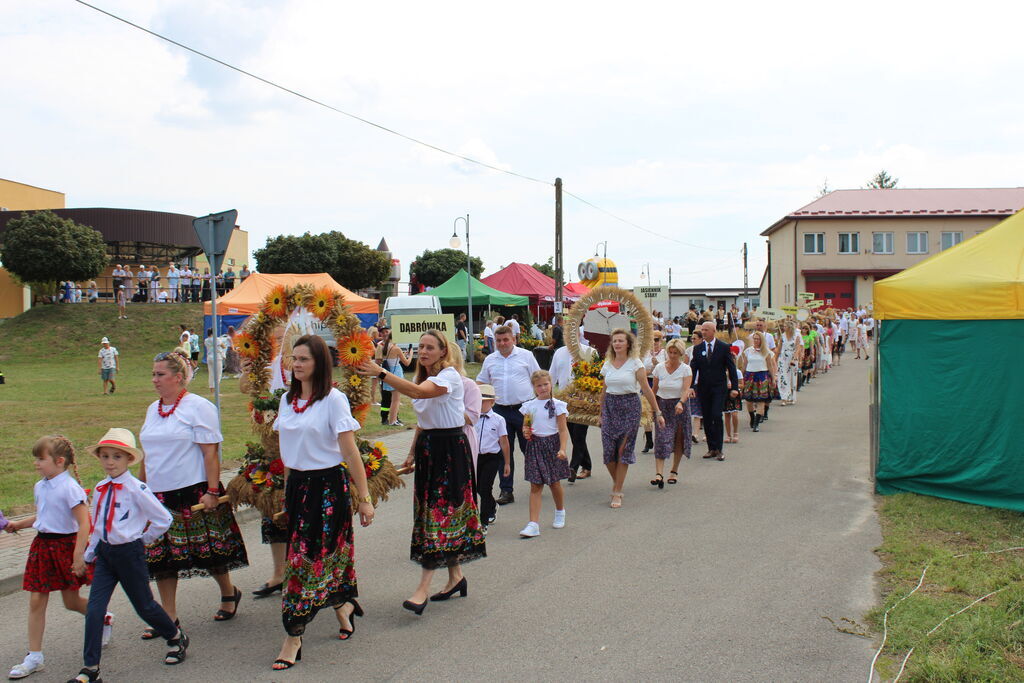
655,298
788,310
406,329
817,303
804,296
772,313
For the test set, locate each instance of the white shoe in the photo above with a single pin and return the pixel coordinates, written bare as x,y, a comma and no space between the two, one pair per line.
531,530
108,628
559,522
26,668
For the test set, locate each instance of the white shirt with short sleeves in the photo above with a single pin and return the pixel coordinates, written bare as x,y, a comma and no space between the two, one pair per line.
489,430
173,457
755,361
543,424
769,339
107,358
670,385
621,380
514,324
54,500
309,440
509,376
447,410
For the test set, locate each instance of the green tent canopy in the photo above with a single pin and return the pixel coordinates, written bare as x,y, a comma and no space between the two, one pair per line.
454,293
949,378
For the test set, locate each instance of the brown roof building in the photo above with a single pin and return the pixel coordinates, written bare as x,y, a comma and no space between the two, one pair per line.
840,244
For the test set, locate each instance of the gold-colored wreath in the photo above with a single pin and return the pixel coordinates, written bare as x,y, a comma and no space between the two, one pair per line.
585,405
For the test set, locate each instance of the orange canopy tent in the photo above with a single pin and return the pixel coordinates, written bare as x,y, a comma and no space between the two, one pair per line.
245,299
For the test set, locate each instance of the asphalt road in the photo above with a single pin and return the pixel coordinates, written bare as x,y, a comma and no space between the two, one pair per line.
725,577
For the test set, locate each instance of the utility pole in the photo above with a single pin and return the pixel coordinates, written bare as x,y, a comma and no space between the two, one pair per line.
746,296
670,292
558,245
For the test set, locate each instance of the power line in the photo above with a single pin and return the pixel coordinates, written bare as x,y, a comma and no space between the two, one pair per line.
320,103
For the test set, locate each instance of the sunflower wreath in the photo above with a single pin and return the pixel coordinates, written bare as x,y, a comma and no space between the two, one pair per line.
583,395
257,483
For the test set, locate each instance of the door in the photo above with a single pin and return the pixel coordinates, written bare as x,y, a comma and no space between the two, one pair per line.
835,293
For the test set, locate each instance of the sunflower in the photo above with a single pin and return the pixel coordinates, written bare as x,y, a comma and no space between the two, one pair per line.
355,348
246,346
379,445
355,381
361,413
276,304
322,303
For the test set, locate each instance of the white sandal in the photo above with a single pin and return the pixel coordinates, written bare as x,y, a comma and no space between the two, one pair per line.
25,669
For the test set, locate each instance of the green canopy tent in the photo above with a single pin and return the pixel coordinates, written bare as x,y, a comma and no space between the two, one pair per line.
949,381
455,292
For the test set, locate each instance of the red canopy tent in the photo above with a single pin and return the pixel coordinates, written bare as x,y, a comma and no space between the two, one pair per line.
519,278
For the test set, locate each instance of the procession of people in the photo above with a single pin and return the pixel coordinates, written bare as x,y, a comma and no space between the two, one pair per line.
170,521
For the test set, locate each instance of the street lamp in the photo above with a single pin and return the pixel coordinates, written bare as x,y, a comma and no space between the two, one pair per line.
455,243
646,276
605,243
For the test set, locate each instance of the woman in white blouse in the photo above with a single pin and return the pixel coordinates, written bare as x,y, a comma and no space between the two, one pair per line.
624,380
317,432
446,529
672,381
758,368
181,438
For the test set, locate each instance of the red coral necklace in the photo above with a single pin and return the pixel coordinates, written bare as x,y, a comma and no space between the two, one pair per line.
160,405
295,404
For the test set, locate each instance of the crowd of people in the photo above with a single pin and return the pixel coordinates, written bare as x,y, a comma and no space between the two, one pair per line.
170,522
151,284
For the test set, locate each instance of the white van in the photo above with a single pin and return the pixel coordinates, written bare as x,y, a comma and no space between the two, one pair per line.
410,305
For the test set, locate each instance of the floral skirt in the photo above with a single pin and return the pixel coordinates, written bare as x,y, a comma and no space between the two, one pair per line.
198,543
695,406
620,420
677,427
542,463
446,524
757,386
320,565
271,532
48,568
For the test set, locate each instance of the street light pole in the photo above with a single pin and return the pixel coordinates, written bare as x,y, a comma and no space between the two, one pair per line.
469,286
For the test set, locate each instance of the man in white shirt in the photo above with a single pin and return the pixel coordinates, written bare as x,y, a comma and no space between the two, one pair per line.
173,281
513,323
870,323
489,336
508,371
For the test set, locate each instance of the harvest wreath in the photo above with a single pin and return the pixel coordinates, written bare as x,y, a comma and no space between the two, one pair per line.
260,479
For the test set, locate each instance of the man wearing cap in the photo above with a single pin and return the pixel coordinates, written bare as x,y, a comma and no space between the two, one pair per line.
109,365
508,371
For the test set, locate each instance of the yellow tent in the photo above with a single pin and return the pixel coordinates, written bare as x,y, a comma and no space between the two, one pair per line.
979,279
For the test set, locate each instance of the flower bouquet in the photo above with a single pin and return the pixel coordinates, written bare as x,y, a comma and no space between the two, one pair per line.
584,393
381,475
260,480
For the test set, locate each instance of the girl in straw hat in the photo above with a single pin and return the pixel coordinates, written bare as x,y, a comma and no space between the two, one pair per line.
125,517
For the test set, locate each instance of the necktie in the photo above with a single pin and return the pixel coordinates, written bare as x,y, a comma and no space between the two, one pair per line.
109,513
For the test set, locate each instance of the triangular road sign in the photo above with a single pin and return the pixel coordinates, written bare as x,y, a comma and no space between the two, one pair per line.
214,233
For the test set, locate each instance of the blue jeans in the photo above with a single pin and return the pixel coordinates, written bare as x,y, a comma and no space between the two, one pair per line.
124,564
514,426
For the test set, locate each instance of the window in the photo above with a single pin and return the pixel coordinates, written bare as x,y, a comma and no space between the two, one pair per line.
814,243
699,303
917,243
785,297
951,239
849,242
881,242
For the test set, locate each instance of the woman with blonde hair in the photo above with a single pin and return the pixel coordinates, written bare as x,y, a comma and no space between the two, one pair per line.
446,529
758,367
624,380
672,381
788,362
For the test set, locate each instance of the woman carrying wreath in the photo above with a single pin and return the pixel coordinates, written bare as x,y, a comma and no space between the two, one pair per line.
446,528
180,438
317,432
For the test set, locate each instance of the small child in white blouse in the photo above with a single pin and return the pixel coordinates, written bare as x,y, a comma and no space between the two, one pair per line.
56,559
545,425
126,517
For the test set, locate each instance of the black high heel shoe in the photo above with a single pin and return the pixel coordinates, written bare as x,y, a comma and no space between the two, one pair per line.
415,607
658,481
462,588
357,611
282,664
223,614
266,590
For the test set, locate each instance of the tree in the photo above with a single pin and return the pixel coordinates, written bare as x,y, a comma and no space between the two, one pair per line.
882,181
548,268
40,248
433,268
351,263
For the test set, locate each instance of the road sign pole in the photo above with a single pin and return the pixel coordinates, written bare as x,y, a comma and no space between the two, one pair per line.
216,330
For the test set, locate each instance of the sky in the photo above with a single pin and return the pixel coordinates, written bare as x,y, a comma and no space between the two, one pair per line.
703,123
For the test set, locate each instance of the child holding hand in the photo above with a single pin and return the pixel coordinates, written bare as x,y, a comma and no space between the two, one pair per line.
56,558
545,425
126,517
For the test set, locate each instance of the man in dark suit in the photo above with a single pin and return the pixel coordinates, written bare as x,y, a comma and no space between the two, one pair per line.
713,370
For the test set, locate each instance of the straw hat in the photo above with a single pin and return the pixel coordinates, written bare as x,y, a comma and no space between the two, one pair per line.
122,440
104,341
486,392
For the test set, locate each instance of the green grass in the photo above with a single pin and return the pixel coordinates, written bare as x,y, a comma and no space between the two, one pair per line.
48,356
985,643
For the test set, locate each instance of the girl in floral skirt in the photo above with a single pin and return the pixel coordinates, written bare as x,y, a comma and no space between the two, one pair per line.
547,429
